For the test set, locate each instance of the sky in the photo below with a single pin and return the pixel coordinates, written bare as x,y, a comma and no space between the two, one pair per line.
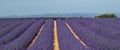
32,7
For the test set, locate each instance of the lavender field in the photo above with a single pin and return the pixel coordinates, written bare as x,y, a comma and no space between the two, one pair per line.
60,34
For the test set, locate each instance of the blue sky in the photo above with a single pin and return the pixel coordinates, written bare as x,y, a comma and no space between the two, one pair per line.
31,7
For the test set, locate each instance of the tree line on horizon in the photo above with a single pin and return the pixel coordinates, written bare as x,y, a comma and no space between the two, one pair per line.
104,16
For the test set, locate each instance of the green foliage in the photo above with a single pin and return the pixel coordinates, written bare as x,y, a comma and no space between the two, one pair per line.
54,18
106,16
62,18
80,17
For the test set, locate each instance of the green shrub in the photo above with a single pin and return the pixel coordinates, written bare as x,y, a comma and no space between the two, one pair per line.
80,17
106,16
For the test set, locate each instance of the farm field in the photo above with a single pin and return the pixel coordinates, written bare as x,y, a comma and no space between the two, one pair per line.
60,34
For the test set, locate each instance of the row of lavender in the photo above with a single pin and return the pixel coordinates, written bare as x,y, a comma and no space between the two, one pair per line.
100,34
45,39
22,34
66,40
17,34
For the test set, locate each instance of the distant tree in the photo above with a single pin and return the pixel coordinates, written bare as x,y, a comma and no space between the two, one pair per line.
38,18
46,18
80,17
54,18
106,16
62,18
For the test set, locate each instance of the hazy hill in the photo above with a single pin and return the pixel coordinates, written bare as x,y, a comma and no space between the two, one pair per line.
86,15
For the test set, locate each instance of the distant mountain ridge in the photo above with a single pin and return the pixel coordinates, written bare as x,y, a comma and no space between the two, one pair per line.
66,15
